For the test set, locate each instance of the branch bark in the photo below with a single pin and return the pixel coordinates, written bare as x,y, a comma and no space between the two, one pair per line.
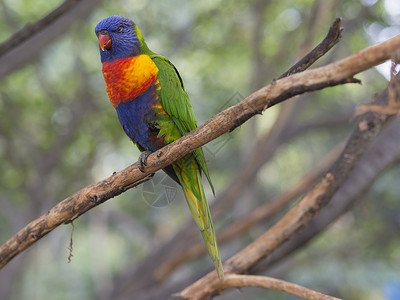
233,280
72,207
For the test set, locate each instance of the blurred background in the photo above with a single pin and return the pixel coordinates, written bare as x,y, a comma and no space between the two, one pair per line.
59,133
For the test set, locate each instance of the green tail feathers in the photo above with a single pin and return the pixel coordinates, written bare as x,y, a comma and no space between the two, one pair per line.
189,175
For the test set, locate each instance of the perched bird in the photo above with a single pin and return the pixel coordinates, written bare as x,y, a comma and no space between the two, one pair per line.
154,110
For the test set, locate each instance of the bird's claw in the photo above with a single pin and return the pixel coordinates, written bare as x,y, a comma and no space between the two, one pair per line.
142,160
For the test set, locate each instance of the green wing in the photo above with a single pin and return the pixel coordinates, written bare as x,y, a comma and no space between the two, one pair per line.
176,102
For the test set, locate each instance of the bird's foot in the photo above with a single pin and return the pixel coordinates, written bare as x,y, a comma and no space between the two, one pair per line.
142,160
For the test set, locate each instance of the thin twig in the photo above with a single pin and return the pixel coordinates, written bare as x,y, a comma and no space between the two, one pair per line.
234,280
331,39
71,243
393,105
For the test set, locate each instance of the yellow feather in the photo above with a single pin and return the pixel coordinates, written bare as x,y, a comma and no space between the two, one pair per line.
189,175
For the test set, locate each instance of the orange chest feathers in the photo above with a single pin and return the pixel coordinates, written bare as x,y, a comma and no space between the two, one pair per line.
128,78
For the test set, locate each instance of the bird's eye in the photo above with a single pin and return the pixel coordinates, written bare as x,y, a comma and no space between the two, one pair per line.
120,29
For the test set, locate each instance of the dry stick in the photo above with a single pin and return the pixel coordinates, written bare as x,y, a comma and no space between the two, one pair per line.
72,207
234,280
261,213
331,39
30,30
368,126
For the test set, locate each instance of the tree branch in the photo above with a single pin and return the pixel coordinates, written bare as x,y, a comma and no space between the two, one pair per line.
72,207
27,43
28,31
234,280
368,126
372,164
329,41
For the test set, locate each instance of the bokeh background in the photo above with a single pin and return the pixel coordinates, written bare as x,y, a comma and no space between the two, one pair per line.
59,133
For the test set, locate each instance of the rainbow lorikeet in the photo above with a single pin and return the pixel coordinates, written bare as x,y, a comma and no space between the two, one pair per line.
154,110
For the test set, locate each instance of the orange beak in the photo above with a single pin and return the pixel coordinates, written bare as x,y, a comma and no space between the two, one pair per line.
105,41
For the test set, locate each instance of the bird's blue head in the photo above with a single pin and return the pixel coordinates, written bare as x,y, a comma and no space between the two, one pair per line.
118,38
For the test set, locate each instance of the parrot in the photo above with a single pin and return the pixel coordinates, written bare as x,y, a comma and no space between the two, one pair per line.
154,110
